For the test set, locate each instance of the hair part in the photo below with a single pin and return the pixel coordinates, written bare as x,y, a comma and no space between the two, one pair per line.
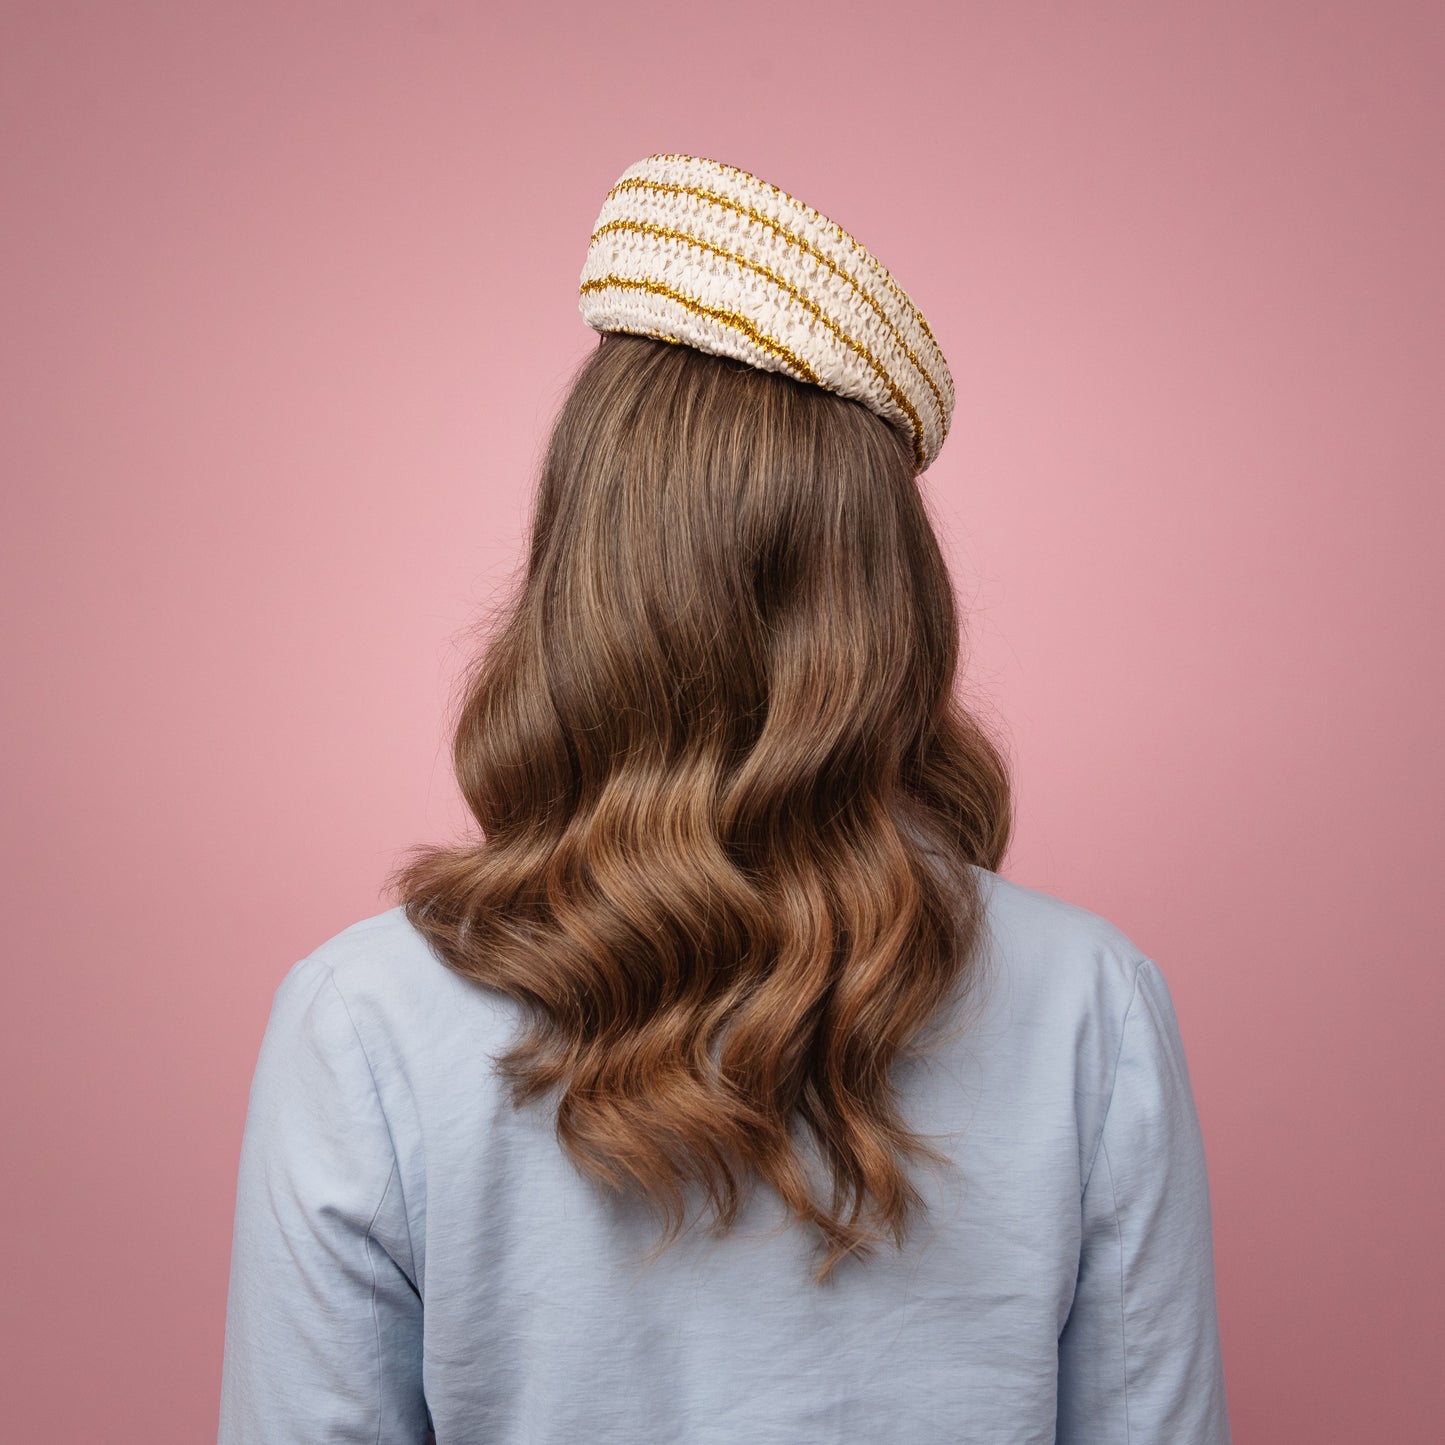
731,806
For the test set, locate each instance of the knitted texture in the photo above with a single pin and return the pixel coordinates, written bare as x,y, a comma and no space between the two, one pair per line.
703,254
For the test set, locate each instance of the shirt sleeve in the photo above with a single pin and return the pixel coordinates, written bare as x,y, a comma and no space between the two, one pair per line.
323,1319
1139,1355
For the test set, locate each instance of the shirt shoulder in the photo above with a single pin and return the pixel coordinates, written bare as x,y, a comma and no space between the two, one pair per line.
403,998
1056,983
1052,947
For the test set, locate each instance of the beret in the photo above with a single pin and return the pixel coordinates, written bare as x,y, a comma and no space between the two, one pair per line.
706,255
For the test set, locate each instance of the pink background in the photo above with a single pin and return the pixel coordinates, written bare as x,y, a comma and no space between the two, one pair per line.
288,303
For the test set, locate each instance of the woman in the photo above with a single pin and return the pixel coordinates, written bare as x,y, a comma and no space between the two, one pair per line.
722,1090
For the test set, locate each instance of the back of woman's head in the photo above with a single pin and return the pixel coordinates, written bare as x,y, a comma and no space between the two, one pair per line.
731,805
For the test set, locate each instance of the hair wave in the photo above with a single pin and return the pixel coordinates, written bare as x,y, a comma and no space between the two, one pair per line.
730,802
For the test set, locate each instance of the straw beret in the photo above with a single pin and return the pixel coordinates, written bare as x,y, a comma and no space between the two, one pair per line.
706,255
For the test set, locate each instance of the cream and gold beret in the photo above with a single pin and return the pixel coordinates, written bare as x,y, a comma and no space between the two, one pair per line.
706,255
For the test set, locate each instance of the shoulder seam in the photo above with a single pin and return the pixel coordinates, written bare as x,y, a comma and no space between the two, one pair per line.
386,1123
1114,1076
1123,1301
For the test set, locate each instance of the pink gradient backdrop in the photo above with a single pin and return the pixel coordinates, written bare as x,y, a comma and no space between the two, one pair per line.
288,302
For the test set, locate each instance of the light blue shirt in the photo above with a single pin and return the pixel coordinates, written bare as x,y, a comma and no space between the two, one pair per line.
411,1253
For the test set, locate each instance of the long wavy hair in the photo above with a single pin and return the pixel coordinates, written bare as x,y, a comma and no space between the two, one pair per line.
730,802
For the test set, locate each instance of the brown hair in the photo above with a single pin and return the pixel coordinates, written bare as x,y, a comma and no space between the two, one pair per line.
731,804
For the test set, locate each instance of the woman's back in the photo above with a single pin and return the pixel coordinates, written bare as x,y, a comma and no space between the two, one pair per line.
731,917
412,1250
